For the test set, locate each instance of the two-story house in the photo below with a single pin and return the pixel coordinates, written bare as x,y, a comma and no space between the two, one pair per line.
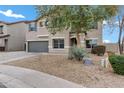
33,36
12,36
39,39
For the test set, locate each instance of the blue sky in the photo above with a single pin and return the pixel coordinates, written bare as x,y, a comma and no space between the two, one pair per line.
13,13
110,34
21,12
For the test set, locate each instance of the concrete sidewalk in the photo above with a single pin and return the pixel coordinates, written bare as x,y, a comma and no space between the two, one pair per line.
22,77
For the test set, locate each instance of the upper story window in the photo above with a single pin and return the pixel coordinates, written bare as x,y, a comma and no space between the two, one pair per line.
33,26
1,29
58,43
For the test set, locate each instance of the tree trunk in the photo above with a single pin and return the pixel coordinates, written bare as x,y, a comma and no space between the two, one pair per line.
120,35
123,44
119,42
78,39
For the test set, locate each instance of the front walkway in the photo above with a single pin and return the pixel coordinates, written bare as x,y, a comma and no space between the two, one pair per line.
16,77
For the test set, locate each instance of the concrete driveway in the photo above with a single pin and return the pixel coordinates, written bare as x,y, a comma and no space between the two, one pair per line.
17,77
11,56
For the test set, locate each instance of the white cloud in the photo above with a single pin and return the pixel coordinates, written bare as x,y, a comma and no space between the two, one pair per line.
106,41
110,22
9,13
104,22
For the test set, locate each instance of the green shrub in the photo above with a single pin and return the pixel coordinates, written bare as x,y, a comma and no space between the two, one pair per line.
76,53
99,50
94,50
117,62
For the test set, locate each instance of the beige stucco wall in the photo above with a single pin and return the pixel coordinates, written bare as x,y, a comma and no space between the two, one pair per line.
96,33
42,34
2,43
38,35
60,35
16,39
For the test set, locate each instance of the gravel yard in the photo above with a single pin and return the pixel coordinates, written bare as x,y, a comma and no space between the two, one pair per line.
89,76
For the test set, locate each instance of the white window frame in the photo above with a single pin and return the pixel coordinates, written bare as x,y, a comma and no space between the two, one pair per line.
58,43
92,41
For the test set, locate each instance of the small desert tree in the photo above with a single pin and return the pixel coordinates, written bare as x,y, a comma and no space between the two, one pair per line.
121,34
78,19
118,22
121,29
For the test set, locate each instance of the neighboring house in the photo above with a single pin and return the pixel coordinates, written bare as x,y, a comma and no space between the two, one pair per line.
33,36
113,47
39,39
12,36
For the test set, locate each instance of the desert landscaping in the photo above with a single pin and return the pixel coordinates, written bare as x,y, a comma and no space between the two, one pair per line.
82,46
87,75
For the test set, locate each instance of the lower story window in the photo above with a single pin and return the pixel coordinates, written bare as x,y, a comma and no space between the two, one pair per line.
58,43
91,43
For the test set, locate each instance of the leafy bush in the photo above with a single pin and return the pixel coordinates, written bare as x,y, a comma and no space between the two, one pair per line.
76,53
94,50
117,62
99,50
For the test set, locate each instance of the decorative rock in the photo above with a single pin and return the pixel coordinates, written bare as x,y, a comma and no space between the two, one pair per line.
104,62
87,61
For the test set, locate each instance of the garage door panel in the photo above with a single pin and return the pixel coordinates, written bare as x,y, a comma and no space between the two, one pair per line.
38,46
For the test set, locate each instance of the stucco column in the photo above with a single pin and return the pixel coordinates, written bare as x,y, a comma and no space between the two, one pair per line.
26,46
82,41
